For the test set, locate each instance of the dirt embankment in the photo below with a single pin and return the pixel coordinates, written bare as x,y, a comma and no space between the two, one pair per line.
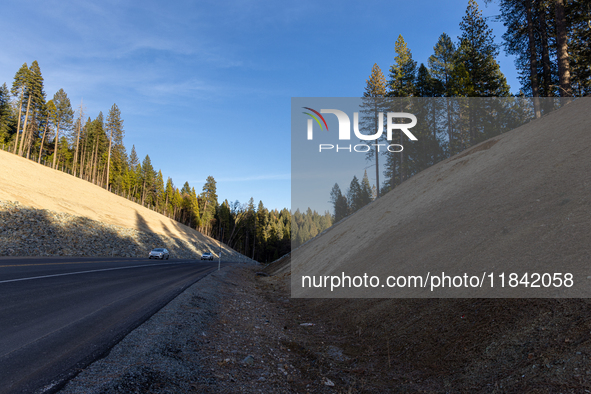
519,202
48,212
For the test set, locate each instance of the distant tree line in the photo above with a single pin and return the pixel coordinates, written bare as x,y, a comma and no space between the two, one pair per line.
552,43
309,224
52,133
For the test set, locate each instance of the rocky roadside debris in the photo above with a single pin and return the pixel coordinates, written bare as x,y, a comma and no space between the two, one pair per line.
231,332
27,231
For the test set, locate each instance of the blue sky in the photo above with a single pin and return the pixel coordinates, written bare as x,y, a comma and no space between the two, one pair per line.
205,87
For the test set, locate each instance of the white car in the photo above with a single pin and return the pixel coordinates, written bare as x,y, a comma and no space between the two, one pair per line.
159,253
207,256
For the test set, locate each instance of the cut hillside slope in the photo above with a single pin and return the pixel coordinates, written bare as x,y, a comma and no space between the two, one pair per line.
519,202
468,345
45,192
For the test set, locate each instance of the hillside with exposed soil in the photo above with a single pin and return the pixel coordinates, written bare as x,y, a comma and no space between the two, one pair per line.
521,198
518,202
55,207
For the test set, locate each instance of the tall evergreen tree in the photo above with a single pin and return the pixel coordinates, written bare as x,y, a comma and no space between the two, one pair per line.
133,158
373,104
63,117
159,190
31,84
18,89
402,72
115,131
209,203
354,195
6,118
425,85
339,203
579,45
148,179
477,52
365,192
168,196
50,116
442,63
79,131
562,50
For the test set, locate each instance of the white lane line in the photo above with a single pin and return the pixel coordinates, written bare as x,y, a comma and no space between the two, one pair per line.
83,272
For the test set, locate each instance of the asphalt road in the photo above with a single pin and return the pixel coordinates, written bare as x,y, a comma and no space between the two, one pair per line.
57,315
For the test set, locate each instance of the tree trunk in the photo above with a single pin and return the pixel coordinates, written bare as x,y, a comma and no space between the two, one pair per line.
95,162
82,157
43,139
20,110
533,61
30,139
562,51
20,149
143,192
109,159
75,161
547,73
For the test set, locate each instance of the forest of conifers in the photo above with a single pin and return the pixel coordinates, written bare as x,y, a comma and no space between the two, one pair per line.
551,41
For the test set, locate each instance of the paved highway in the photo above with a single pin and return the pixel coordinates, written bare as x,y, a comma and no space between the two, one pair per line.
57,315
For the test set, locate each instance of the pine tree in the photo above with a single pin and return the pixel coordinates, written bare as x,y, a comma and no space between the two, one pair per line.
425,85
133,158
159,191
339,203
147,176
50,108
402,72
477,53
18,88
578,14
97,140
63,118
354,195
209,201
168,196
79,131
31,84
365,192
562,50
115,131
526,38
373,104
133,164
6,118
442,63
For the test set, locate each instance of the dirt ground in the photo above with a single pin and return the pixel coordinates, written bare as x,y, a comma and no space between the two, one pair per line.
406,346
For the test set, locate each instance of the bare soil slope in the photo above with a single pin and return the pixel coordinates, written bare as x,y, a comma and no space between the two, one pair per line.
41,187
522,196
519,201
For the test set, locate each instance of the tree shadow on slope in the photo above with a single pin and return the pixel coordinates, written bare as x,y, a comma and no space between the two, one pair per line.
27,231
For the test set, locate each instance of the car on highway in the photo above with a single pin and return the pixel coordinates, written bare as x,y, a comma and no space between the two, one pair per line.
159,253
207,256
